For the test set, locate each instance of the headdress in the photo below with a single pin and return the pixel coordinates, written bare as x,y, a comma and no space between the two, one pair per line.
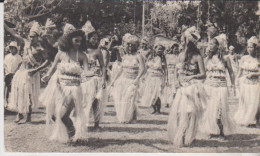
231,47
49,24
222,40
103,42
68,28
132,39
145,40
88,28
192,34
253,40
126,36
35,29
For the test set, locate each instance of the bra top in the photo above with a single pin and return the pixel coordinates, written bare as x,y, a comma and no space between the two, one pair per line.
189,69
214,64
28,57
68,66
93,63
171,59
249,63
129,61
155,63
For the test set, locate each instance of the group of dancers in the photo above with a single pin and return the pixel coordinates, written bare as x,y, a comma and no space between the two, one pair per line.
81,79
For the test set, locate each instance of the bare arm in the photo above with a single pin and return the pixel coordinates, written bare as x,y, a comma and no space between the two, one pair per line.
230,70
141,67
53,67
201,68
101,63
16,36
165,69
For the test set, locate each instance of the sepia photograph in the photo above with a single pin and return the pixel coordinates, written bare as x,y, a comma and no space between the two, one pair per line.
131,76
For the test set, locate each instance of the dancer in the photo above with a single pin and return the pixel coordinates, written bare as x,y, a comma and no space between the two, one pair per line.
26,81
234,58
49,91
248,76
12,62
94,85
68,93
155,79
145,51
171,59
126,82
190,97
216,121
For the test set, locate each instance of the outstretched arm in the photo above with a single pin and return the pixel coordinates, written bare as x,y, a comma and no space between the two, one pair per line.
15,35
53,67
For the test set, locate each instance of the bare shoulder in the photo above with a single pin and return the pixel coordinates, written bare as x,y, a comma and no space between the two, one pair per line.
226,58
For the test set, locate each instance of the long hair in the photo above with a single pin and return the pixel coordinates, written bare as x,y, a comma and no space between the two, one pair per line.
220,53
65,42
162,56
191,51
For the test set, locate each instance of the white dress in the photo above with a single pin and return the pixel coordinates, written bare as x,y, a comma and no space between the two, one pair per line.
92,90
186,108
170,90
249,92
217,105
66,90
25,88
124,91
153,84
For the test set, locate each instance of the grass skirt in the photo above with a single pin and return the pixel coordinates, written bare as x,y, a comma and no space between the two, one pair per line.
25,91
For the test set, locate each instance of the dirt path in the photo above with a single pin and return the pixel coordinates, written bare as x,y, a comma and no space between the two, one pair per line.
147,135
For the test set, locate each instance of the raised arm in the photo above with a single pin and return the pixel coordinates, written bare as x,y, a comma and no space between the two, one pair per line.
12,32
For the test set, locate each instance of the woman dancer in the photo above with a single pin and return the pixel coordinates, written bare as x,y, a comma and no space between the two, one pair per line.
145,51
26,81
68,93
216,120
94,85
126,82
155,79
248,76
171,59
50,90
189,101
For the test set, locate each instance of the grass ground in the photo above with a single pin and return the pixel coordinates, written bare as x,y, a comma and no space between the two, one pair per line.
147,135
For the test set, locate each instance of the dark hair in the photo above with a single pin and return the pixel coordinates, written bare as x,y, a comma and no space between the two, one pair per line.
220,54
191,51
65,42
162,56
88,38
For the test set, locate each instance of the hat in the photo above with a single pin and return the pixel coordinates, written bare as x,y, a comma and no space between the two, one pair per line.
253,40
35,29
88,28
13,44
49,24
68,28
192,34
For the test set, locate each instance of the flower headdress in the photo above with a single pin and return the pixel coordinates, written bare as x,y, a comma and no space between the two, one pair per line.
253,40
49,24
192,34
35,29
222,40
88,28
68,28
